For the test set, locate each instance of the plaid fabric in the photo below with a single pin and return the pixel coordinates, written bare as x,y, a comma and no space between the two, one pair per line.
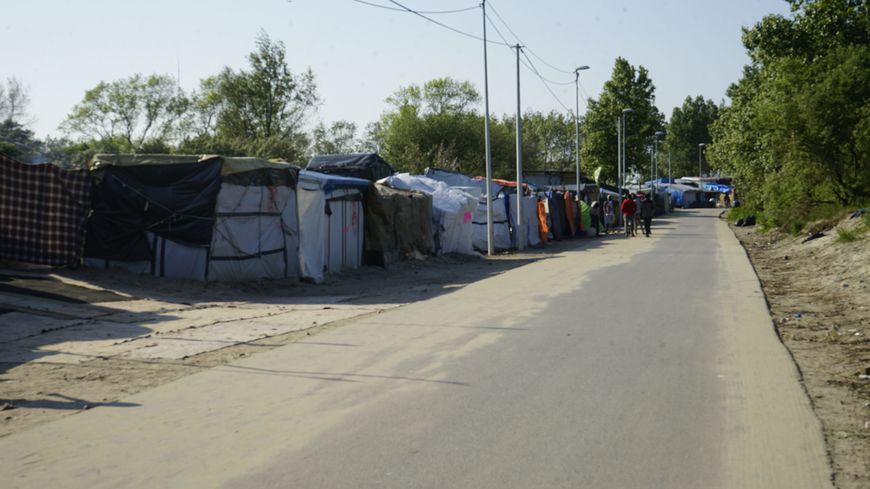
42,213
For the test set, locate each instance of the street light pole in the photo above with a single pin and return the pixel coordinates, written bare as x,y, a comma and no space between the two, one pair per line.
490,234
624,159
700,150
655,169
521,236
577,122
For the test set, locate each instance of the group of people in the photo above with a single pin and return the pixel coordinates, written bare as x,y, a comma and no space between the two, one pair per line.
632,210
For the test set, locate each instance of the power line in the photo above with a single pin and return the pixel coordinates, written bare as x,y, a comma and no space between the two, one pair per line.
429,12
542,60
472,36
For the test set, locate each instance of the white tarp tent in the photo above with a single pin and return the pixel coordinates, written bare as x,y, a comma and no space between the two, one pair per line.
330,223
530,216
452,211
501,233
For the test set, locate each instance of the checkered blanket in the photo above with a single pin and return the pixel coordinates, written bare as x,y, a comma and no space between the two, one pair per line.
42,213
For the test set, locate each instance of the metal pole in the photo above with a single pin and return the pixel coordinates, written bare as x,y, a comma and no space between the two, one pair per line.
700,149
577,125
489,228
618,161
521,226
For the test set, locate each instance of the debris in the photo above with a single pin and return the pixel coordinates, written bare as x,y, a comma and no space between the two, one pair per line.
7,406
813,236
798,315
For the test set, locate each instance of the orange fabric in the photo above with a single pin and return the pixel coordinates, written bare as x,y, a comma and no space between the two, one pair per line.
543,230
570,214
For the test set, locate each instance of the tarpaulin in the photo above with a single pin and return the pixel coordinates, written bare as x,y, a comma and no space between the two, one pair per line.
42,213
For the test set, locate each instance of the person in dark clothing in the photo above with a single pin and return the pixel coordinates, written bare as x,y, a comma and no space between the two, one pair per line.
647,209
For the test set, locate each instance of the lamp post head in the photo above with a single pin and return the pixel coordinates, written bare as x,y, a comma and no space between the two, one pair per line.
701,145
581,68
627,111
659,134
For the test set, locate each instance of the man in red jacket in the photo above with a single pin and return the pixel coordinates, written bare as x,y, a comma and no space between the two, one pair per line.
628,209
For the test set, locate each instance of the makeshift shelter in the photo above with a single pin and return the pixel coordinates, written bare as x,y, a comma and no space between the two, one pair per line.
398,223
501,233
331,223
530,216
195,217
42,213
452,211
368,166
685,196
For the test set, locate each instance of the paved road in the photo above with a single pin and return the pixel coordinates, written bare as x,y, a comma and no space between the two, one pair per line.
641,363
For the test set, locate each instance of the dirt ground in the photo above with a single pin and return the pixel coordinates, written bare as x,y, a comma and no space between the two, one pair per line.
819,296
818,291
39,383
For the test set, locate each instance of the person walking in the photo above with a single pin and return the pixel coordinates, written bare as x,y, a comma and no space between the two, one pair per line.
608,214
628,210
647,209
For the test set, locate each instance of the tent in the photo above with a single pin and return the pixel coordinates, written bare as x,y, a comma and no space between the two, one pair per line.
331,223
452,211
501,232
368,166
530,216
398,223
42,213
196,217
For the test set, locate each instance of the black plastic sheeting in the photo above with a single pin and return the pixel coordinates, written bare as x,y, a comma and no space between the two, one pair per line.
176,202
369,166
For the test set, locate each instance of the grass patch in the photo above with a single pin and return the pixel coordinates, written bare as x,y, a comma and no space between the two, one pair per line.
846,235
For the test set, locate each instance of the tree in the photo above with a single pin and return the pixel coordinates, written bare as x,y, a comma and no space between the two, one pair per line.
260,111
339,137
795,135
134,112
14,99
433,125
689,126
17,141
628,87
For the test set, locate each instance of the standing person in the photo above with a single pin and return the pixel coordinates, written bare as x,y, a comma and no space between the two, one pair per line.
647,209
608,214
628,210
594,211
635,219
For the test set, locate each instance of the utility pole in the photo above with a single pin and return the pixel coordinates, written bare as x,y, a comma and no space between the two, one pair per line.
521,226
489,230
577,121
700,150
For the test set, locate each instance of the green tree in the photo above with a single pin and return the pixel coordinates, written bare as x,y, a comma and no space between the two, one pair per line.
260,111
137,112
688,127
17,141
628,87
433,125
339,137
795,135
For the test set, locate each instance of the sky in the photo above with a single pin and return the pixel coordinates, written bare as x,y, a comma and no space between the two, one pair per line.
360,54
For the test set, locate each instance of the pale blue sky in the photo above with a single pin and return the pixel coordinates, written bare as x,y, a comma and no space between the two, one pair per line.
361,54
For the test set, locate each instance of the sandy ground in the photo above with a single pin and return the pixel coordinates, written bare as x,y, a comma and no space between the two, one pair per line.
819,297
136,332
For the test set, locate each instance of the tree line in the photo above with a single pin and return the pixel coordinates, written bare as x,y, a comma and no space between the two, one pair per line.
795,135
264,110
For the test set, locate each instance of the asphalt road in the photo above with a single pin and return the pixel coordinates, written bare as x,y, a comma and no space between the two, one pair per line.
623,363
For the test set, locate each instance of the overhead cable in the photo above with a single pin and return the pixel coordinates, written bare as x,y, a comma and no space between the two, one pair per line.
428,12
542,60
410,10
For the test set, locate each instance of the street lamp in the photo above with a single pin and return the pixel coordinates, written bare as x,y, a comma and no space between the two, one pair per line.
655,168
577,122
700,150
622,166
